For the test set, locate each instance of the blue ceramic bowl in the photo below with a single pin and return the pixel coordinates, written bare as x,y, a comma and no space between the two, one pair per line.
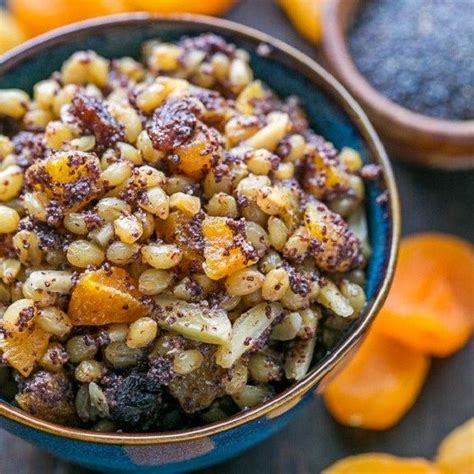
333,114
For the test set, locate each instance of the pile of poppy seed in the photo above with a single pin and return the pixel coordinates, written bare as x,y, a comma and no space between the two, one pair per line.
418,53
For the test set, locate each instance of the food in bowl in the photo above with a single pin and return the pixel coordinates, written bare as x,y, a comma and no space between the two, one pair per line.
176,243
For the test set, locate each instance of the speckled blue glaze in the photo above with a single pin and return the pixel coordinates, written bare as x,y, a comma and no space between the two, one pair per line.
326,117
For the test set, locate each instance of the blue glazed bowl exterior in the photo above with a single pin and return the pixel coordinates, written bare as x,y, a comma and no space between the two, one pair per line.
334,115
162,458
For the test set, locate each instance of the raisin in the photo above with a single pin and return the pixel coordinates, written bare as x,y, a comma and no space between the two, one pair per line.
134,400
173,123
95,117
197,390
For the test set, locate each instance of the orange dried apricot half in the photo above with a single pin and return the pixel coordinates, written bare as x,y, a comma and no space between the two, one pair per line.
209,7
225,250
196,156
306,16
11,34
105,297
39,17
430,306
456,452
22,341
71,177
378,463
378,385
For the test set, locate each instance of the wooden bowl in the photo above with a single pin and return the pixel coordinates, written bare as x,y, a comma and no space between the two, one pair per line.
407,135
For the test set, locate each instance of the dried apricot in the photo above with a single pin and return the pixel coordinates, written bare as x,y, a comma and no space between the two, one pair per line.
226,250
306,16
325,177
11,34
39,17
456,452
431,303
209,7
378,463
105,297
71,177
334,245
185,232
196,155
378,385
24,342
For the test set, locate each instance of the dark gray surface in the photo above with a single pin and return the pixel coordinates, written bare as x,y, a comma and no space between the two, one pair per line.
432,200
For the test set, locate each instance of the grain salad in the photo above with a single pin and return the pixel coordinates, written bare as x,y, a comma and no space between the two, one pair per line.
176,244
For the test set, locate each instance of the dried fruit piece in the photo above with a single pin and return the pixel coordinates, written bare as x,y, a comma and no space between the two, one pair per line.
456,451
226,249
134,400
95,117
324,175
209,7
196,155
185,232
39,17
71,177
24,342
430,306
306,16
11,34
105,297
378,463
174,123
334,246
191,392
378,385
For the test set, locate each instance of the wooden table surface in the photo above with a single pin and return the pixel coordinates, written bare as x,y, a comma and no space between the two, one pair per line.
432,200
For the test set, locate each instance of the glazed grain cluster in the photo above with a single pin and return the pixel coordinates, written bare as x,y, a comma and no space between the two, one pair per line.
176,243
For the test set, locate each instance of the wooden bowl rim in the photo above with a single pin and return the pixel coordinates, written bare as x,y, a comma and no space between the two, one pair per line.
290,397
338,56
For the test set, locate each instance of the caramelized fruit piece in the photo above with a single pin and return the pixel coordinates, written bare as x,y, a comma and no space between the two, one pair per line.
196,155
105,297
185,232
174,123
226,250
71,177
378,385
377,463
456,452
430,306
94,115
334,245
24,342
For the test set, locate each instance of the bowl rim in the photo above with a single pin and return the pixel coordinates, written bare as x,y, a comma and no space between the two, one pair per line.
393,115
294,393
